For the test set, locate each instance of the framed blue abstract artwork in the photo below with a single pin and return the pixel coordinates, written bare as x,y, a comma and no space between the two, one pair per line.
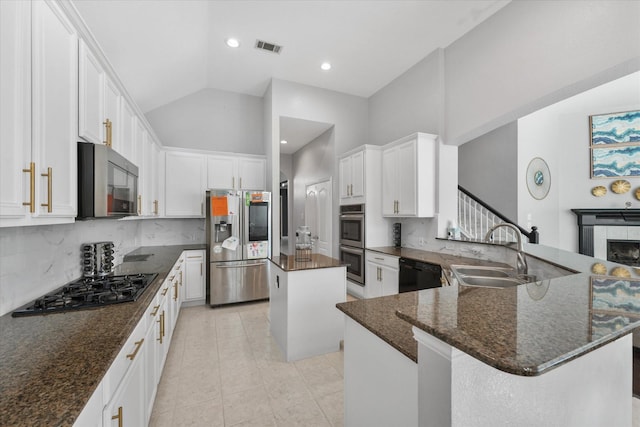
615,144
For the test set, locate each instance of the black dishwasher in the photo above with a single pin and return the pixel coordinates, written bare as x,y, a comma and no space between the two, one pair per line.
417,275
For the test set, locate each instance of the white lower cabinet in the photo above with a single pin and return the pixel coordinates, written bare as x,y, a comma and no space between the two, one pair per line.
381,273
126,394
194,276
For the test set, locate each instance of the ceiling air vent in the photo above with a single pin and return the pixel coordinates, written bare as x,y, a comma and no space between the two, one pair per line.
269,47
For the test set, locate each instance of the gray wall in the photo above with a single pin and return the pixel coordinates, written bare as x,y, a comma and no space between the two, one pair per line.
488,168
413,102
213,120
531,54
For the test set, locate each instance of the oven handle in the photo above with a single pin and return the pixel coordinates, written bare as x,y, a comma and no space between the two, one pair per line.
352,216
354,251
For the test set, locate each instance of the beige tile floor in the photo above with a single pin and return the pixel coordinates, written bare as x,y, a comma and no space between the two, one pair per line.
224,369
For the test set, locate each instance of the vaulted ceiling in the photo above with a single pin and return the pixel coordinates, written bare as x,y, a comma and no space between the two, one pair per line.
164,50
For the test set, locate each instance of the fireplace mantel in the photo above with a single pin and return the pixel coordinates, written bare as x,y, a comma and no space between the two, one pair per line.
588,218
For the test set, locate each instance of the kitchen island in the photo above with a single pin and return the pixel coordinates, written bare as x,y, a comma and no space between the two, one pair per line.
302,309
515,356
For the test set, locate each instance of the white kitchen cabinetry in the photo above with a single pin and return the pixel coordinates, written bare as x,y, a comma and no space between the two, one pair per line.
194,276
147,172
352,179
185,183
127,137
381,273
91,415
176,279
91,88
112,106
236,172
39,135
409,176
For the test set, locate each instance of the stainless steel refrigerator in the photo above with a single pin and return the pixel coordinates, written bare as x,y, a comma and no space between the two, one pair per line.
238,228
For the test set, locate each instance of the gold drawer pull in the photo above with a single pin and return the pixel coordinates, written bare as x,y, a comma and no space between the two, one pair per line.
175,293
164,292
138,345
107,125
49,205
155,310
118,417
32,187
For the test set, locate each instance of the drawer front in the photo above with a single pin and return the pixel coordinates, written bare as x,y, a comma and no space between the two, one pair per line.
382,259
127,354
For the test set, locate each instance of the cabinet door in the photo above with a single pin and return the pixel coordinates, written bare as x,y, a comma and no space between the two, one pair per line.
151,372
127,134
251,174
357,174
162,326
145,204
373,288
155,178
278,307
15,106
389,280
221,172
112,104
184,185
389,181
194,275
54,110
91,96
407,196
345,177
126,407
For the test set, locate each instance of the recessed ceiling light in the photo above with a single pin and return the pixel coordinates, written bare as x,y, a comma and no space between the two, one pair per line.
325,66
231,42
283,141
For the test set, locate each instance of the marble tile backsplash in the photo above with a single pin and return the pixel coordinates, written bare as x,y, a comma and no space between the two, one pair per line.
36,260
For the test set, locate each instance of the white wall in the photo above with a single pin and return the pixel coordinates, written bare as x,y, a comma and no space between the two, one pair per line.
347,113
560,135
531,54
488,167
313,163
211,119
413,102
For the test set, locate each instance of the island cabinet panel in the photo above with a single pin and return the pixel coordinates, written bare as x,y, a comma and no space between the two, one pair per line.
382,274
304,319
380,383
409,176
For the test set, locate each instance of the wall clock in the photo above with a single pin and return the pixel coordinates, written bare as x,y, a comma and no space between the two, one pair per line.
538,178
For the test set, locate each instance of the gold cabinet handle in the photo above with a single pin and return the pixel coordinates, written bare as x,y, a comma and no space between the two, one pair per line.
164,292
155,207
181,278
139,204
171,278
138,345
118,417
201,269
155,310
49,189
161,324
107,127
32,187
175,290
233,182
163,328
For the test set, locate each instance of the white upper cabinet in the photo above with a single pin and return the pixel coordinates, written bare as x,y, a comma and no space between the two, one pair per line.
409,176
185,182
127,137
112,105
54,110
15,107
236,172
352,178
91,85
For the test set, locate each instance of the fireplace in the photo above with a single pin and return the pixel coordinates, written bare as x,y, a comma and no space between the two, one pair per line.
613,219
624,252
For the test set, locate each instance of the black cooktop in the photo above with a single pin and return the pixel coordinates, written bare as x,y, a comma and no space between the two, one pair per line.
89,292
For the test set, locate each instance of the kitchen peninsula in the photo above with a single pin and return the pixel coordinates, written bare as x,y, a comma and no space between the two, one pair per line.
513,356
303,294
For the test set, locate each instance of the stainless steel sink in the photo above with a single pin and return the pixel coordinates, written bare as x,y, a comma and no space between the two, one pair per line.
491,282
489,277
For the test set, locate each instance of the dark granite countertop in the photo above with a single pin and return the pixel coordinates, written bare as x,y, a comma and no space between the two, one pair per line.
50,365
379,314
289,263
525,330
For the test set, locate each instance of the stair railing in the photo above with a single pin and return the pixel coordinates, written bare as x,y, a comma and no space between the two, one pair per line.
475,219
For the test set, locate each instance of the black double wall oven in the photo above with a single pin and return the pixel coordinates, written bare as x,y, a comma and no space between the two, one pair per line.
352,241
